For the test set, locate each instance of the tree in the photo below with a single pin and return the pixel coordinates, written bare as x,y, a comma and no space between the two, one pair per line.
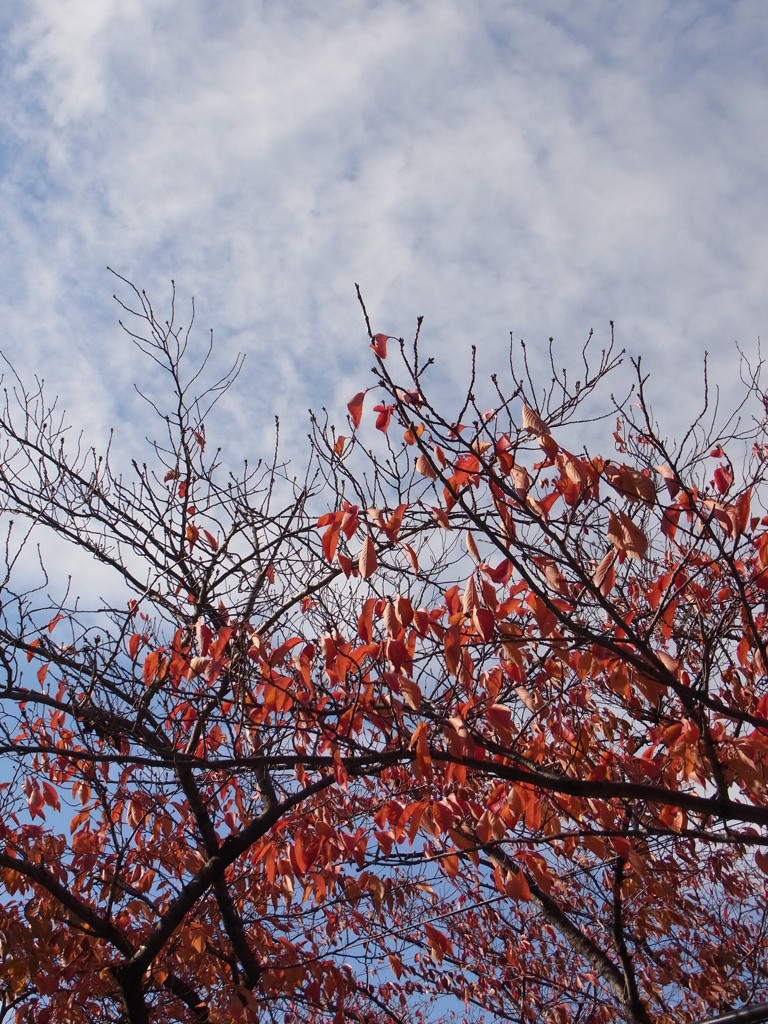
461,719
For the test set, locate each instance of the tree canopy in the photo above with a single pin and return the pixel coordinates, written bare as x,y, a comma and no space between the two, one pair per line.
456,718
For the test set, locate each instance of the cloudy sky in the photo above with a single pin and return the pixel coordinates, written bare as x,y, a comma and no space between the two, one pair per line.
530,167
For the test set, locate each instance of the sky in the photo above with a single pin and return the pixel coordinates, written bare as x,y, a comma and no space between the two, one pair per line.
533,168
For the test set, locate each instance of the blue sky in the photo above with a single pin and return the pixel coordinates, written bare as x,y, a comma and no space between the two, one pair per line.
535,168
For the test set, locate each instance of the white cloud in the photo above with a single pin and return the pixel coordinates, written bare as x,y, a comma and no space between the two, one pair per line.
493,166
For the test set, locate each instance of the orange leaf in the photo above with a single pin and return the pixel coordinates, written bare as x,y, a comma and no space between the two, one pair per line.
516,886
133,646
411,693
423,763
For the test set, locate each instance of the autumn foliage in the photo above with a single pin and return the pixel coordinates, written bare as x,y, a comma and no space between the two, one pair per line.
458,720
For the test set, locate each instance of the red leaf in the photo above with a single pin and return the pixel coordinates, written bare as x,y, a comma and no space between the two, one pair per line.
411,555
605,575
34,797
484,621
723,478
367,562
379,345
355,407
50,796
384,417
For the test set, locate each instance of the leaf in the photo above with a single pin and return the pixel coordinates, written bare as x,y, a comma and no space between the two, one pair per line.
368,562
604,576
626,537
552,574
723,479
423,761
469,599
152,666
670,480
439,943
411,693
411,556
521,481
50,796
384,417
379,345
330,538
630,483
411,435
472,546
425,467
355,407
516,886
484,622
532,422
442,517
34,797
